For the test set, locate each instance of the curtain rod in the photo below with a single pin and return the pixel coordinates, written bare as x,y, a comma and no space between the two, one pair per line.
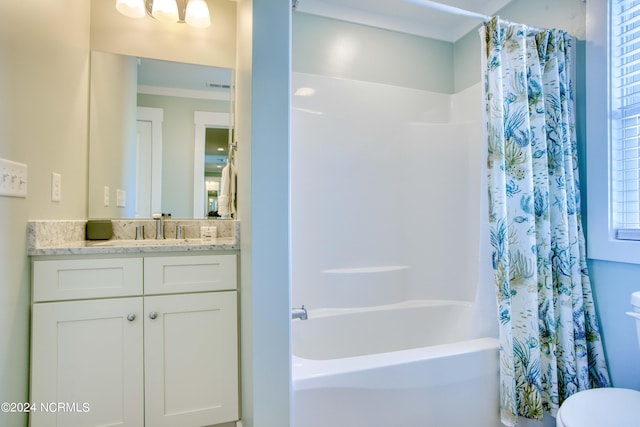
467,13
448,9
531,27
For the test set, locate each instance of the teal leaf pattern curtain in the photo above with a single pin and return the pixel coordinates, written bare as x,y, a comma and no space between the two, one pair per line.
550,344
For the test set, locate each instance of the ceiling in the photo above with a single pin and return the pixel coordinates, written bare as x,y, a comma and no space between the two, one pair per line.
202,78
446,20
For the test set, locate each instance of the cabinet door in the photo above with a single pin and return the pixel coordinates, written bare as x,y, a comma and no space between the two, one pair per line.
191,359
88,357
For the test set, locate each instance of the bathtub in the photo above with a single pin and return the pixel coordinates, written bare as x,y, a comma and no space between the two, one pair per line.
411,364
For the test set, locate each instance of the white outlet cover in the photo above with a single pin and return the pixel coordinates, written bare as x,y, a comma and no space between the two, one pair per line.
121,197
56,187
106,196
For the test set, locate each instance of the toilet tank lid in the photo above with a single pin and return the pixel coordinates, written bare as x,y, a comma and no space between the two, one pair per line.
612,407
635,299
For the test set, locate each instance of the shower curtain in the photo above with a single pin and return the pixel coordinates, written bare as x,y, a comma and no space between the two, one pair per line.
550,345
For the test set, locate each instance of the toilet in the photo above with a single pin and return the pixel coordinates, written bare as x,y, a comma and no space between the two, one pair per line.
610,407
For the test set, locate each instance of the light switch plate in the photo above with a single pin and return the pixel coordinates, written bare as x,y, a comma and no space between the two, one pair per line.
121,197
13,179
56,187
106,196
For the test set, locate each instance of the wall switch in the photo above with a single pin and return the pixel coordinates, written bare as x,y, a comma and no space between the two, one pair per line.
121,197
106,196
56,187
13,179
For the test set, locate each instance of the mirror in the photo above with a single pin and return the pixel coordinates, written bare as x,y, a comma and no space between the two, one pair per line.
159,136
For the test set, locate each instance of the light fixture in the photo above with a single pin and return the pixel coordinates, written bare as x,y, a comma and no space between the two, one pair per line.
165,11
131,8
197,14
194,12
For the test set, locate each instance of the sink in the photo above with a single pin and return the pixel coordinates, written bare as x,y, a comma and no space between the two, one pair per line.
149,242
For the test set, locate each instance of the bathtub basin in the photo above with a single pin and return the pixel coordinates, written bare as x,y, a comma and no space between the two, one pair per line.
407,364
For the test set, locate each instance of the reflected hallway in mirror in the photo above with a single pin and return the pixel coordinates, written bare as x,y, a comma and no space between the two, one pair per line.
146,140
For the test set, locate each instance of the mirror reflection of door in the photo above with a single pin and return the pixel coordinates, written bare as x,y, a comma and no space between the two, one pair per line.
143,169
212,142
148,161
215,158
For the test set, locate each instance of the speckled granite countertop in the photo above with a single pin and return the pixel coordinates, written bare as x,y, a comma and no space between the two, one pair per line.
51,237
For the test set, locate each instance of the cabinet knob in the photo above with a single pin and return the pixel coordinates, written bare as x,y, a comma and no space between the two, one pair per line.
131,317
153,315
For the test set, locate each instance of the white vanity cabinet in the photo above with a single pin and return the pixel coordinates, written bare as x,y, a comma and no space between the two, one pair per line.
191,359
134,341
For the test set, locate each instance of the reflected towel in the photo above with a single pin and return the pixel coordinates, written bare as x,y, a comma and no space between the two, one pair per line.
227,196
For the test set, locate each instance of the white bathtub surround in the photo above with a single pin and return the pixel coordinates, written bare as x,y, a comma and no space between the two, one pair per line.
386,207
363,365
361,286
387,176
352,332
549,335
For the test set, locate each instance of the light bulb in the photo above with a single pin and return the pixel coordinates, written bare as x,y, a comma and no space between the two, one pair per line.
165,11
197,14
131,8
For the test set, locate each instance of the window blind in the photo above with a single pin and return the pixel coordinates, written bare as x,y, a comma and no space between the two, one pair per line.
625,106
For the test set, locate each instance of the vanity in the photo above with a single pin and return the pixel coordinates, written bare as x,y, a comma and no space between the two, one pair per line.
133,333
136,330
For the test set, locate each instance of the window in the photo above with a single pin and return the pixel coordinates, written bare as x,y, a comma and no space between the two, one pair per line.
625,117
612,76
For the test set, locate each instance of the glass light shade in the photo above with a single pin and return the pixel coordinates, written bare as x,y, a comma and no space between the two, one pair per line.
165,11
197,14
131,8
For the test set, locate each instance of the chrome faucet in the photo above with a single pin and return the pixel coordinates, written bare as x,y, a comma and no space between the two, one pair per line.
180,231
159,218
299,313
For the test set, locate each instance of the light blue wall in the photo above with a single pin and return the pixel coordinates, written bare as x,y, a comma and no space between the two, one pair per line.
466,61
335,48
265,235
613,283
568,15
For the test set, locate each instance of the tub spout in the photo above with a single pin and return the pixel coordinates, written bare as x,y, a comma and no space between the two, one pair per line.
299,313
